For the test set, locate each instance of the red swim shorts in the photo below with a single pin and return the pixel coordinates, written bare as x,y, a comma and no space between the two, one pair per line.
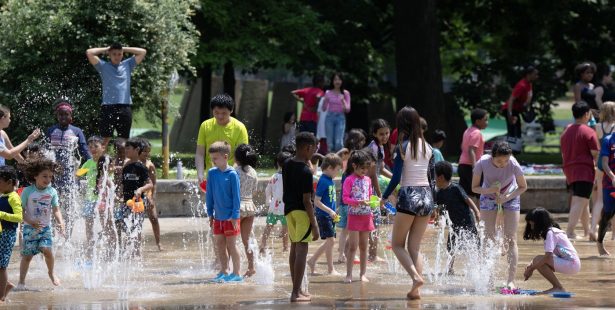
226,228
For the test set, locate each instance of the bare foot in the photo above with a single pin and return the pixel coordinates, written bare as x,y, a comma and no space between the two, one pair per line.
341,259
311,264
364,279
9,287
334,273
511,285
249,273
261,251
160,248
54,280
414,292
348,279
377,259
299,298
602,250
552,290
305,294
20,287
593,237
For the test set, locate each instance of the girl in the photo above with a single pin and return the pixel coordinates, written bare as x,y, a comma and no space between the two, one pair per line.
7,151
584,88
289,128
246,159
356,194
337,105
503,183
273,195
604,130
560,255
40,201
415,202
10,215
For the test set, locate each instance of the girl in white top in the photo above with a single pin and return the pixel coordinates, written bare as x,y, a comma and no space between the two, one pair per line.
414,166
273,195
245,159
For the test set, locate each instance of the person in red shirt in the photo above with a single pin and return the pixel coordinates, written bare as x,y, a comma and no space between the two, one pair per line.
579,152
517,102
472,148
310,96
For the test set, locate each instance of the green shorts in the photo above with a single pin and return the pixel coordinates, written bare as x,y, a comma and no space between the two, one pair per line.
273,219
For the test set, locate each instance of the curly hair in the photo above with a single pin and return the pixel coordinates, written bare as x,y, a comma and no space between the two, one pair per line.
33,167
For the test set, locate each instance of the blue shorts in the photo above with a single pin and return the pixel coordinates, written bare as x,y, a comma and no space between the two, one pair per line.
7,241
609,202
342,211
326,227
488,204
34,240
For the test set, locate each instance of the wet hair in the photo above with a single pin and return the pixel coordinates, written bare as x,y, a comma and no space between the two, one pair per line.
318,80
8,174
305,138
4,110
424,126
438,135
528,70
116,46
95,139
359,158
281,159
245,155
607,112
33,167
354,138
136,143
445,169
331,160
477,115
542,223
339,75
409,128
290,148
579,109
223,101
220,147
582,67
501,148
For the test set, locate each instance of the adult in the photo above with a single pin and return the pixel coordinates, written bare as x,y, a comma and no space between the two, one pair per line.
414,168
337,105
503,182
7,150
518,101
583,89
115,113
310,96
221,127
603,82
579,152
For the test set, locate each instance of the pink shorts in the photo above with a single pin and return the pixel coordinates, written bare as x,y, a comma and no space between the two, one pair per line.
360,222
566,266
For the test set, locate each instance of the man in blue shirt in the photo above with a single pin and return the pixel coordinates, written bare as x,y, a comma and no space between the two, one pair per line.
115,113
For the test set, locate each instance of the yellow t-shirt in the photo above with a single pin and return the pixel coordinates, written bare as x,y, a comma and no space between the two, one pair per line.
234,133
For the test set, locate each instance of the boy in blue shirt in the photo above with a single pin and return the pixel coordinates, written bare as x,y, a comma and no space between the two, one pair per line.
325,211
222,202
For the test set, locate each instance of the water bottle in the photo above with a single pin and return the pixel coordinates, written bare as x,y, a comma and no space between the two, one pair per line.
390,208
180,170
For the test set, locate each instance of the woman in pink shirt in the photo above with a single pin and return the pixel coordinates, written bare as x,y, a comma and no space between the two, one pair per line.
337,105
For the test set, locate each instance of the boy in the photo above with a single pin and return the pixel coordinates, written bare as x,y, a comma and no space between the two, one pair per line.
472,147
223,203
152,213
459,207
89,170
325,211
299,211
135,182
437,142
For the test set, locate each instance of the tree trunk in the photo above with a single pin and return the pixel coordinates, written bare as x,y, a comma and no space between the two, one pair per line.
205,74
419,70
228,79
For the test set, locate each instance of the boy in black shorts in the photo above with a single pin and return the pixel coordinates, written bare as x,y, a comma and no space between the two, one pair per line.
299,211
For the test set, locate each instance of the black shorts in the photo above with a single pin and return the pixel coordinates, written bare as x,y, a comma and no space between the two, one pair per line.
465,178
115,117
581,189
325,227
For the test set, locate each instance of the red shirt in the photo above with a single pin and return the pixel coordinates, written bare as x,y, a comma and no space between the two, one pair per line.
577,142
311,96
520,93
393,137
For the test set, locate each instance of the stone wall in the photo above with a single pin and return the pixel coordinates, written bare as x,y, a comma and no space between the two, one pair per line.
178,198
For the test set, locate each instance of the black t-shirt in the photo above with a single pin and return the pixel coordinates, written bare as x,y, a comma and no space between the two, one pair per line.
453,198
134,175
296,180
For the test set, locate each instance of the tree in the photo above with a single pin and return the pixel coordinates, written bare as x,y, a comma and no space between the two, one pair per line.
42,53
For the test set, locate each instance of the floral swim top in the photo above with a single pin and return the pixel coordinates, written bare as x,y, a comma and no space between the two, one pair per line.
356,190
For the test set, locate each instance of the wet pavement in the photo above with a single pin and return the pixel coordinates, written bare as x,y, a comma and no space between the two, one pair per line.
179,276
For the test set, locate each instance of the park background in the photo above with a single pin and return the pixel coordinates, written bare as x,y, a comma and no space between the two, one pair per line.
442,57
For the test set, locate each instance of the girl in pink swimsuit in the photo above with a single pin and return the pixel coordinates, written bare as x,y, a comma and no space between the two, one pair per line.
560,255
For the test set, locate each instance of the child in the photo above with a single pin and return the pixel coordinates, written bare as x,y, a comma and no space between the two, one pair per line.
88,170
289,128
325,211
246,159
472,147
274,196
39,200
10,215
135,182
105,192
64,139
299,211
459,207
560,255
7,150
223,209
437,142
152,213
356,194
118,163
